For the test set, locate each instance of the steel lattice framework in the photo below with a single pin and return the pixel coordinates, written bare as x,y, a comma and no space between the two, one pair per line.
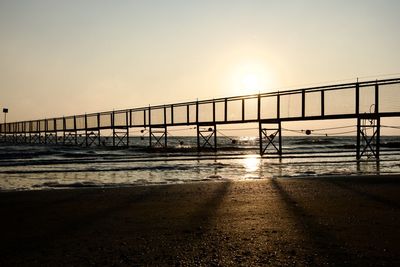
367,102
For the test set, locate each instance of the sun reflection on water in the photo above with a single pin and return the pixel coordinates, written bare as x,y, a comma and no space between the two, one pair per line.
251,163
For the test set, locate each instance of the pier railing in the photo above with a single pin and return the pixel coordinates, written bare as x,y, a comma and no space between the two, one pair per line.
360,100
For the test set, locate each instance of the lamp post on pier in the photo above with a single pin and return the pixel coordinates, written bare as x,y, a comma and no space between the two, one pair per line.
5,111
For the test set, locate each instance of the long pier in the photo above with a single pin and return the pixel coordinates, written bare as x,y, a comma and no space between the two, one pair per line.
367,102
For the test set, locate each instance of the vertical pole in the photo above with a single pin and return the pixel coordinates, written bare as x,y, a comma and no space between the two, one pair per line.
243,108
172,114
322,103
130,118
127,125
23,132
98,137
98,129
86,136
215,127
37,133
144,118
214,114
86,132
113,127
187,114
165,127
303,103
280,137
149,126
55,130
5,124
38,140
64,127
226,110
358,147
197,125
259,107
76,131
15,132
26,132
260,136
31,130
378,122
357,99
45,131
378,137
34,130
278,106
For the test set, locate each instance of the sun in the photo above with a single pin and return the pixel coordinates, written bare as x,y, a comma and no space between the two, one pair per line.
250,78
251,83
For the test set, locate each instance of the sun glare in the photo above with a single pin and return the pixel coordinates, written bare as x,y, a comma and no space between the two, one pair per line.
251,83
251,78
251,163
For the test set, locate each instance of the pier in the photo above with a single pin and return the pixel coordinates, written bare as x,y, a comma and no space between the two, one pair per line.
365,102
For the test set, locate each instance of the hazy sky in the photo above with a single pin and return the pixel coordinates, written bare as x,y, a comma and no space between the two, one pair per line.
66,57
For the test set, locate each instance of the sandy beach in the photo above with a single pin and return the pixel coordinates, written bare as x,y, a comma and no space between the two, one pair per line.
342,221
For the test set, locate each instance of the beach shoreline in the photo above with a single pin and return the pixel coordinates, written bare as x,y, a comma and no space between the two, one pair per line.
335,221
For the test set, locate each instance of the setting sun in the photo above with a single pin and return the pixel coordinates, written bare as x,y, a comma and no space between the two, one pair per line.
251,83
251,78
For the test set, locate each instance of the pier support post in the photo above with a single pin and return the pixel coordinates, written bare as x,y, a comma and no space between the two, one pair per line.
158,137
70,138
270,138
92,138
43,139
35,138
121,137
369,129
16,138
50,138
207,137
21,138
368,137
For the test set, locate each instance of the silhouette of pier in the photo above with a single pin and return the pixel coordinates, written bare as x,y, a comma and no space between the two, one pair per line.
366,102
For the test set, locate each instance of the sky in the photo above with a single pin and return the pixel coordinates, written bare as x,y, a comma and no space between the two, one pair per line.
73,57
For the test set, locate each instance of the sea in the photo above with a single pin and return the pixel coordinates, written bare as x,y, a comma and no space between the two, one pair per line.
48,167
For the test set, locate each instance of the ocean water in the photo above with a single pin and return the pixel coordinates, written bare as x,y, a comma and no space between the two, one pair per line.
38,167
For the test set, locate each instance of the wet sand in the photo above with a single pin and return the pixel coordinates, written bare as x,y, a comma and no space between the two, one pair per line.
275,222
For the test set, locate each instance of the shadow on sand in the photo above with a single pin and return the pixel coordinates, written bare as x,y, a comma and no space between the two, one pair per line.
111,227
322,241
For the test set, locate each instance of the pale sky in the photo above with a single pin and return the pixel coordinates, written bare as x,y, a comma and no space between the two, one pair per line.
70,57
